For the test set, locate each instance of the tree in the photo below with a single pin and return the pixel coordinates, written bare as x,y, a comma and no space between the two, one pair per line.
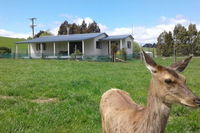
67,28
93,28
192,38
5,50
185,41
165,44
197,49
63,28
136,50
83,27
74,29
170,43
114,52
43,33
180,36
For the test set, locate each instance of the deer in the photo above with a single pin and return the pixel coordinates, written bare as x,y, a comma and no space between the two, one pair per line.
120,114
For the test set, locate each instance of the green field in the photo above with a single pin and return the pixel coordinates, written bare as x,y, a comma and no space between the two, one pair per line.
10,43
53,96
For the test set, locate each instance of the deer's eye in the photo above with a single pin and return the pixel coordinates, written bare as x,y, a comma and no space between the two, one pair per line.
168,81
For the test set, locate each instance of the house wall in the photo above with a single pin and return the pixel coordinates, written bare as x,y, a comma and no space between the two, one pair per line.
90,47
124,45
104,49
33,51
128,50
59,46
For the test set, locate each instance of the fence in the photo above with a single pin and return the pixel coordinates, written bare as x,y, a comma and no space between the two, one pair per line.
106,58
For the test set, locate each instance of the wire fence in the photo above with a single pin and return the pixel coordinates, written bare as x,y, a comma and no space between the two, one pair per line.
106,58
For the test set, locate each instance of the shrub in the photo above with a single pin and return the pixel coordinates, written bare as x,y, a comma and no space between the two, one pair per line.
5,50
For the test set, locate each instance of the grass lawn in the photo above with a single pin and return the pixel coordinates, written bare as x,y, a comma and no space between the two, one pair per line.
63,96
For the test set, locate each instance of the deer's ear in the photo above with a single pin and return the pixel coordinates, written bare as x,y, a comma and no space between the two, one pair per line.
181,65
149,62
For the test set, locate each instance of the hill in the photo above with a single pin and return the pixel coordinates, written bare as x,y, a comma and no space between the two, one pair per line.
10,43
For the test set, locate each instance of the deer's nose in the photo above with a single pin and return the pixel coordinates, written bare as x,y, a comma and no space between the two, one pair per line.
197,101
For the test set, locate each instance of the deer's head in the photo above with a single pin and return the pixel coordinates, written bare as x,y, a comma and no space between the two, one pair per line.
171,85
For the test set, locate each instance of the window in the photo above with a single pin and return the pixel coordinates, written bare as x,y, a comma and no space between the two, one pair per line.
38,46
128,44
98,45
43,46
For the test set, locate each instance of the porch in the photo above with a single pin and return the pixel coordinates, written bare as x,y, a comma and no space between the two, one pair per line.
63,50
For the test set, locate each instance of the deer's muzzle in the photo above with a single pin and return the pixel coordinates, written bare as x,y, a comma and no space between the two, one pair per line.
197,101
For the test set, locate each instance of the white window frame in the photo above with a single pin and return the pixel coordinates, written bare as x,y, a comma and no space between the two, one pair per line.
100,45
129,44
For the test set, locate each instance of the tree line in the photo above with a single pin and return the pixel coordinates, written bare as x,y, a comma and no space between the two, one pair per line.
183,41
72,28
67,28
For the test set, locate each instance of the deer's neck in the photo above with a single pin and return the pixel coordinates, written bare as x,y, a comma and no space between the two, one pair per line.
157,112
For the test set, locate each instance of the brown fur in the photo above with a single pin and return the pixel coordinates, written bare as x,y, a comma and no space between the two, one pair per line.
120,114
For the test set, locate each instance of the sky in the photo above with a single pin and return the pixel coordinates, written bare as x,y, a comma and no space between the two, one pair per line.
145,19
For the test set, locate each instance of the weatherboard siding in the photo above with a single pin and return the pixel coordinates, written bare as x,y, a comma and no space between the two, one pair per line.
129,51
89,47
104,49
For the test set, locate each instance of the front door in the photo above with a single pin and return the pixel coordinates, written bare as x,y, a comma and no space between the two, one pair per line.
75,46
115,45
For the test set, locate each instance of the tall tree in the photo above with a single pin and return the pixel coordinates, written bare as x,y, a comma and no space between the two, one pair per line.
63,28
67,28
74,29
192,38
197,49
165,44
83,27
185,41
93,28
43,33
136,48
180,36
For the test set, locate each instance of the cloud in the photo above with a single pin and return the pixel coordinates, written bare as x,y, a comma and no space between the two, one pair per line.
54,31
144,34
103,28
198,27
89,20
179,19
79,21
76,19
13,34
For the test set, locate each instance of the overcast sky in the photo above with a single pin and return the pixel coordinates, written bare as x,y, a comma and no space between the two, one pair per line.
146,19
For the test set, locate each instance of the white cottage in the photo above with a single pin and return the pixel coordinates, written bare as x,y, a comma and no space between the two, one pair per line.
63,46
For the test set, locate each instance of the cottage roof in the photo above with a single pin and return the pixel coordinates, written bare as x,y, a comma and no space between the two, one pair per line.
117,37
62,38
